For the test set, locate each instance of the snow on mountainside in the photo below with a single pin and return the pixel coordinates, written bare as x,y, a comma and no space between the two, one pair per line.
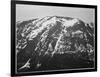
40,40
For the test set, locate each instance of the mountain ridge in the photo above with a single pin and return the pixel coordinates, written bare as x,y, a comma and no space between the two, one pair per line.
54,35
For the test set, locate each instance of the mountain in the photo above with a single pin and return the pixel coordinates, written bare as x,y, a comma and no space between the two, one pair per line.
54,42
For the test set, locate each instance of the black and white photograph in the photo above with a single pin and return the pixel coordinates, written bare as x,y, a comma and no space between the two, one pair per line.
54,38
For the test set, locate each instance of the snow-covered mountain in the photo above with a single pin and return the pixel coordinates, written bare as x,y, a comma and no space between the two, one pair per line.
42,39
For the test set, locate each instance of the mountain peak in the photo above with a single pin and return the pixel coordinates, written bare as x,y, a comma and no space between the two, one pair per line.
52,35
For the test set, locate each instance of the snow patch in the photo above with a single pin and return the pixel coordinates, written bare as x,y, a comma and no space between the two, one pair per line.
27,65
35,32
69,23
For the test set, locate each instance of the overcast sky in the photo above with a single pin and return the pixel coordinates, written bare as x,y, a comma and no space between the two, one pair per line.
26,12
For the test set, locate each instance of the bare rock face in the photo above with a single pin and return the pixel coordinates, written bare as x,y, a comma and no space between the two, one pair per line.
54,43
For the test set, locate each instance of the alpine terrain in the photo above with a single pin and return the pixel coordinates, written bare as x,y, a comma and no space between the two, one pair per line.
54,43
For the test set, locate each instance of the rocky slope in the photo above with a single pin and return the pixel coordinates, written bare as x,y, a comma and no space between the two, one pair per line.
54,42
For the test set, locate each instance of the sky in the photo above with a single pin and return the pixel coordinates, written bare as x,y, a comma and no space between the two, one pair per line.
27,12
